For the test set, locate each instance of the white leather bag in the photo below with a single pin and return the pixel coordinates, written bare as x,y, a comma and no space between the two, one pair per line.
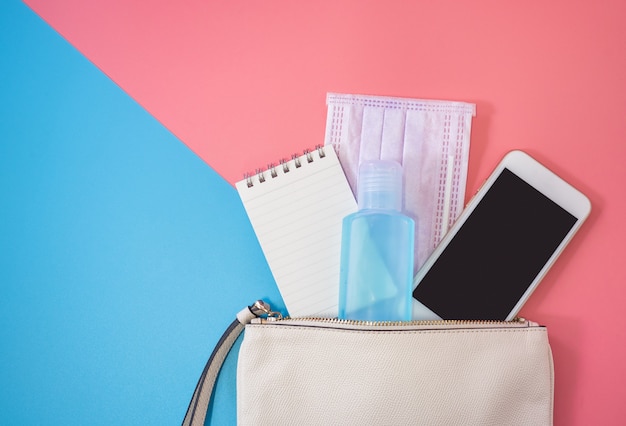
322,371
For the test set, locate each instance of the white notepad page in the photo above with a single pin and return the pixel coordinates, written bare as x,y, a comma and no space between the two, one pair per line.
296,210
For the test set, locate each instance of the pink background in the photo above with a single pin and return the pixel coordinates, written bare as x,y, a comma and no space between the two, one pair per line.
244,83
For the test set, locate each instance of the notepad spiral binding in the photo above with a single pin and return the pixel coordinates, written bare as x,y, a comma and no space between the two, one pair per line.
284,165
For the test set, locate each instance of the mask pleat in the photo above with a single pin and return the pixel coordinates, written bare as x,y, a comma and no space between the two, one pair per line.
429,138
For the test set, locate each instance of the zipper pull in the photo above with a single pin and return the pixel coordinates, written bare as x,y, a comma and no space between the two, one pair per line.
262,309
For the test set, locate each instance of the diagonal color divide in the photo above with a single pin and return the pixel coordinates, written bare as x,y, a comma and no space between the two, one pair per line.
172,58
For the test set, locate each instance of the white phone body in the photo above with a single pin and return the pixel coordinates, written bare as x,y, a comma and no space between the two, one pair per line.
502,245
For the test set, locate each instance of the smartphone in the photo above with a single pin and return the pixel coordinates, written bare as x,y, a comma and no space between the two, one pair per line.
502,245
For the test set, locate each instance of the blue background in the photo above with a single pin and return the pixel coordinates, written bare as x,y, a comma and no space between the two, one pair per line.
123,256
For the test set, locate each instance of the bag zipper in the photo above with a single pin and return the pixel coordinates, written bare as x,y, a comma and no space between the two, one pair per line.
264,315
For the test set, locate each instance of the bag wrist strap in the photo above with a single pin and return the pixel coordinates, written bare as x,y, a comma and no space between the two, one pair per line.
197,410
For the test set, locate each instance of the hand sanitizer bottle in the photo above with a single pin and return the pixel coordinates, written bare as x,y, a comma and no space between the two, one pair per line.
377,249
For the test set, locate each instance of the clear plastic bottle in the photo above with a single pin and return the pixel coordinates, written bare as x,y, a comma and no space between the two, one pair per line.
377,249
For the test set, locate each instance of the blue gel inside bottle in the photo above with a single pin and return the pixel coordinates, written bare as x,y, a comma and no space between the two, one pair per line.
377,249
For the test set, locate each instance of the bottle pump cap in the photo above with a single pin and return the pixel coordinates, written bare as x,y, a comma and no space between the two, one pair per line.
380,185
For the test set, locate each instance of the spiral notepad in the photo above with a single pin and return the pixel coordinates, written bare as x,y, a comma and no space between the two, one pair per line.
296,209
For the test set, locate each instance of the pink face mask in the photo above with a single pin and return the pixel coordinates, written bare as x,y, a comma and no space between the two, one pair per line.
429,138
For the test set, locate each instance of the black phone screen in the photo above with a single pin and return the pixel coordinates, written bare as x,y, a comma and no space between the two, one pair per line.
496,254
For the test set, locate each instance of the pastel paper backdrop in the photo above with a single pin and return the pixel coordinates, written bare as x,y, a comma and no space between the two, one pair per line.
243,84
